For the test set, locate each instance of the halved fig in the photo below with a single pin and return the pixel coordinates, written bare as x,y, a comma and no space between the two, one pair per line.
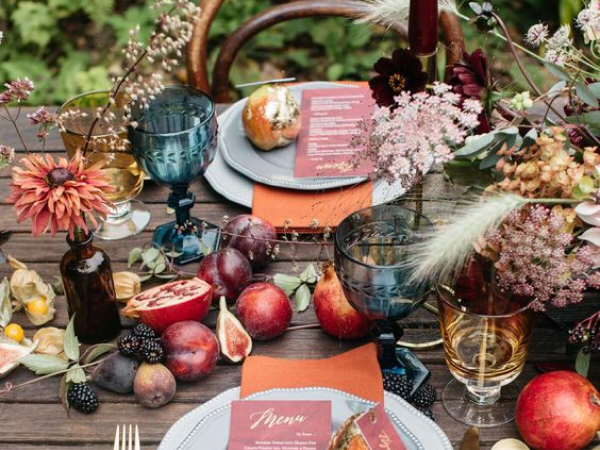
173,302
10,353
234,341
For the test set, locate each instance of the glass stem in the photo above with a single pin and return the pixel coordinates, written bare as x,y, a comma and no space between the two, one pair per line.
120,211
482,395
182,202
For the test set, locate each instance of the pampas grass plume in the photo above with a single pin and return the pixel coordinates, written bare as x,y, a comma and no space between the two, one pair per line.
393,13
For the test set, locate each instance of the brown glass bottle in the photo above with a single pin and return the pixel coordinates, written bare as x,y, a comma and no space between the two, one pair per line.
90,291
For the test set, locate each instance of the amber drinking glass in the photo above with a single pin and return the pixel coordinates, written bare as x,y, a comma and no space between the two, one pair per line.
126,218
486,335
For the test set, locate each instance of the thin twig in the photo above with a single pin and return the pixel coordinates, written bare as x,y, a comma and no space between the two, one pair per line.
14,122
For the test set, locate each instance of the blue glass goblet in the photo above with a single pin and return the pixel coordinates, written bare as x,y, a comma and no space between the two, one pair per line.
174,141
371,249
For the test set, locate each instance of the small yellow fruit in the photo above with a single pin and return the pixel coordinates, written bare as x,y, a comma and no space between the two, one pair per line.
15,332
38,307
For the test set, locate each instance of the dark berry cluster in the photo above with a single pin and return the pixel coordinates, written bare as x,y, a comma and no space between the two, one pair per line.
423,398
82,397
143,341
587,333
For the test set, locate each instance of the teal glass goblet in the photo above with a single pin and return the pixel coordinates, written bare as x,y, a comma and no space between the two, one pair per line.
174,141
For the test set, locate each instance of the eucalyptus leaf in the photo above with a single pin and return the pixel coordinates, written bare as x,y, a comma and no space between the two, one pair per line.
476,146
586,95
160,268
76,375
595,88
62,392
287,283
557,71
557,89
134,256
582,362
489,161
71,341
6,309
309,275
166,276
150,255
145,277
97,351
529,139
44,364
509,130
302,298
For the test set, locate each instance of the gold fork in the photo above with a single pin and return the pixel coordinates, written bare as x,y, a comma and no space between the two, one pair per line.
127,439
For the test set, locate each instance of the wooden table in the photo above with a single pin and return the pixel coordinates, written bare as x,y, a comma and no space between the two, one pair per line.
33,418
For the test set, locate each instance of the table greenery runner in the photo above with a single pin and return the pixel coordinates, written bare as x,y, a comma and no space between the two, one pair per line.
531,159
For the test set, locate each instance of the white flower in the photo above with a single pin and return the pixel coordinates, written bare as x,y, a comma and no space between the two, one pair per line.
1,36
537,35
589,212
560,38
555,57
588,21
521,101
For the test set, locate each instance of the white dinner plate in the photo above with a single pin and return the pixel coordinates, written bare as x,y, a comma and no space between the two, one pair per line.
207,426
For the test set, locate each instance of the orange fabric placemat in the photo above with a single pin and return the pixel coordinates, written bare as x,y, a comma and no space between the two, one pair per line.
356,372
301,208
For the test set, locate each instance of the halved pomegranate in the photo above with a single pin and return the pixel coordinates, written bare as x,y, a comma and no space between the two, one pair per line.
170,303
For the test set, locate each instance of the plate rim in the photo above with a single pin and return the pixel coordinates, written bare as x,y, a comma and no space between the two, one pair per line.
348,395
235,392
314,184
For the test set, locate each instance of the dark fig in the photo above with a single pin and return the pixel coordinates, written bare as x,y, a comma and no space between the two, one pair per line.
116,373
154,385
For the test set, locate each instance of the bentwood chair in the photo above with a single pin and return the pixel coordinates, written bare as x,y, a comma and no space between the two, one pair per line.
197,51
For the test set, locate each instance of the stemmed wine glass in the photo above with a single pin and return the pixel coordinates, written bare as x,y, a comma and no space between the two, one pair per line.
174,141
127,218
371,249
486,334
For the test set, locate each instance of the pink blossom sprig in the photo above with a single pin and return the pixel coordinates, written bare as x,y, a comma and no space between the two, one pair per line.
422,129
536,258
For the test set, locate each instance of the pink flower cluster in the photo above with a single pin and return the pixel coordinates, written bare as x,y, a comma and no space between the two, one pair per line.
18,90
536,258
420,130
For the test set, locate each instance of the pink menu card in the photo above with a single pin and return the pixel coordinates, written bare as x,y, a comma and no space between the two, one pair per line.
280,425
330,118
378,430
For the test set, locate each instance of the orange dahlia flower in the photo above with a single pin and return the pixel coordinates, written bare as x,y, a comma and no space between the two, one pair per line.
58,195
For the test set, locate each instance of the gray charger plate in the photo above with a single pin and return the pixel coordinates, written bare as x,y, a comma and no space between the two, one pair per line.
275,167
239,189
419,432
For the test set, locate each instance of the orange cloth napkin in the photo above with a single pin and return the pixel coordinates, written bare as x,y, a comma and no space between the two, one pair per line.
301,208
356,372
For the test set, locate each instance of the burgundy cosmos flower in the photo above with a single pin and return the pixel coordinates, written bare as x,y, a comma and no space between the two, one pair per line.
471,79
403,72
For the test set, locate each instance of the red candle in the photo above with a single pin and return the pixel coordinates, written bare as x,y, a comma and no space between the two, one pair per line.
423,27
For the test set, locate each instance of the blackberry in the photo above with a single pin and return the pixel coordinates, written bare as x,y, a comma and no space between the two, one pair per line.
152,351
428,412
83,398
424,397
396,384
128,345
144,332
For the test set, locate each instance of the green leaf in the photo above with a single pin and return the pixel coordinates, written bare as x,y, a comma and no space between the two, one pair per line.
99,10
150,255
556,90
134,256
595,88
160,268
302,298
287,283
145,277
529,139
166,276
586,95
558,71
335,71
6,309
489,161
76,375
309,275
476,146
44,364
467,173
34,22
71,341
97,351
582,362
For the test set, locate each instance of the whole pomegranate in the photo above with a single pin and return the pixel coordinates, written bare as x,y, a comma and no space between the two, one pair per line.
264,310
191,350
252,236
173,302
558,411
335,314
227,271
